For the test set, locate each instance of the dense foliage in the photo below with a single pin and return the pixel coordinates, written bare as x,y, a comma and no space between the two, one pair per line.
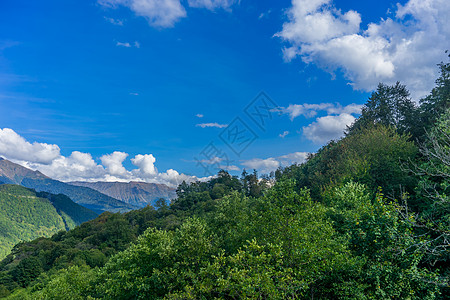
26,215
366,217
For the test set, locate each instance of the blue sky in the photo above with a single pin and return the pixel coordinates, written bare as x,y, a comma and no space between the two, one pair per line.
80,80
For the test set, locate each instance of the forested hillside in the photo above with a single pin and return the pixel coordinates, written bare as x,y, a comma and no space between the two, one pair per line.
366,217
26,215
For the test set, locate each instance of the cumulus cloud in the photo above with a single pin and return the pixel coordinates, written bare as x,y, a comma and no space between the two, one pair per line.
211,125
327,128
16,147
79,166
159,13
76,167
405,47
199,115
113,163
145,163
263,165
273,163
173,178
212,4
311,110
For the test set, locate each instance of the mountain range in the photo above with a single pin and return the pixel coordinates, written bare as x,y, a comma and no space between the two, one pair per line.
33,205
97,196
12,173
135,193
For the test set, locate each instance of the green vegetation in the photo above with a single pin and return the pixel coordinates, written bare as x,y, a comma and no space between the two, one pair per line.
26,215
366,217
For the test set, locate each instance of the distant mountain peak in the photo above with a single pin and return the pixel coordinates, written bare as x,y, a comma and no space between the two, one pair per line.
136,193
12,173
16,173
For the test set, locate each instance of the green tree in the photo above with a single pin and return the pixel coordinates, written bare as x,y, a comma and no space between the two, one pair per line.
389,106
372,156
431,206
438,102
388,265
27,270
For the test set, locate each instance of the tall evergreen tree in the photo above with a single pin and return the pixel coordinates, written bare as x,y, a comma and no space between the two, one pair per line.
389,106
435,104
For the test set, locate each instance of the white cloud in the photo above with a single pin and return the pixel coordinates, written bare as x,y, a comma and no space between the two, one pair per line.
79,166
306,110
348,109
113,163
128,45
220,163
406,47
114,21
159,13
273,163
212,4
293,158
211,125
173,178
328,128
120,44
313,21
145,163
324,128
263,165
199,115
213,160
230,168
14,146
164,13
311,110
284,134
265,14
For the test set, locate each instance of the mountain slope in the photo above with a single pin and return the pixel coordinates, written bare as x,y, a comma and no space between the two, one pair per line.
69,209
136,193
15,174
26,215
